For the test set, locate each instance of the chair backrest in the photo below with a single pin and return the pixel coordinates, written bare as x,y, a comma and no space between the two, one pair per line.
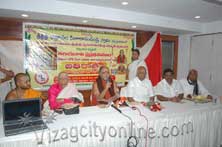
87,97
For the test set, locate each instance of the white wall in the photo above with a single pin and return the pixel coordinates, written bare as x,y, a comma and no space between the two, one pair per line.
12,55
185,44
183,65
213,27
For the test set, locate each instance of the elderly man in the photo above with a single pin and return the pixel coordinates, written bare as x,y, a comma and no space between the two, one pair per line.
104,88
62,92
140,88
168,89
23,88
192,86
132,68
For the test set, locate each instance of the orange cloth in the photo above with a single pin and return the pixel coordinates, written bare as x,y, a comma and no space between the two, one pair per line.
107,95
31,93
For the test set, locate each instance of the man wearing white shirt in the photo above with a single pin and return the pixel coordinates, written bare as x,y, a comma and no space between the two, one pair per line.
132,68
169,89
140,88
192,86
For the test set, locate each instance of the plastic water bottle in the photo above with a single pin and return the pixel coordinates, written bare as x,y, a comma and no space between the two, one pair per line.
214,100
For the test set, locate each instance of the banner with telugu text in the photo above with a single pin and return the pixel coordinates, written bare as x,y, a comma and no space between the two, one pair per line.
50,49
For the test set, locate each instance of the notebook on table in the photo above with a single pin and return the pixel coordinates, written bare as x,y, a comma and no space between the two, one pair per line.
22,116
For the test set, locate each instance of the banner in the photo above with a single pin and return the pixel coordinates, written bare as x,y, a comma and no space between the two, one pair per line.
50,49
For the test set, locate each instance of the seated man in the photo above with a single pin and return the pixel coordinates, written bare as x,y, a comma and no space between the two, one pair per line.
192,86
62,93
104,88
140,88
168,89
23,88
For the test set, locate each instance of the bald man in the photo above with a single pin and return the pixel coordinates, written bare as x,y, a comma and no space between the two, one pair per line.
62,92
192,86
140,88
23,88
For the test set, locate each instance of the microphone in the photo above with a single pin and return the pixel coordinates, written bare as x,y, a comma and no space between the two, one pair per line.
132,140
126,104
107,80
116,108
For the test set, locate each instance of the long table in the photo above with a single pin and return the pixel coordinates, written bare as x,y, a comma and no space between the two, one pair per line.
177,125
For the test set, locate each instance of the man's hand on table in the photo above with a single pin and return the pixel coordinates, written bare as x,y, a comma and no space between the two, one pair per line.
209,97
175,99
132,101
189,96
135,103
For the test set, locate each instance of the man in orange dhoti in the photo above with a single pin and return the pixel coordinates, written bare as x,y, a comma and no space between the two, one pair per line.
23,89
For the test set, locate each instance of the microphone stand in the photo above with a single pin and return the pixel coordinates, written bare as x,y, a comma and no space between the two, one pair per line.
132,141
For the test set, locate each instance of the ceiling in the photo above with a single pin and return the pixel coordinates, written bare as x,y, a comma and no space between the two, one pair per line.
166,16
181,9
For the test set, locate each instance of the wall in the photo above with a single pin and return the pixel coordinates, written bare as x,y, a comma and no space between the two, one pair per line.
213,27
185,45
183,56
12,54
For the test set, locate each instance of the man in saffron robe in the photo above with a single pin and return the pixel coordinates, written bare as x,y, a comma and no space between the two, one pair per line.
23,89
104,88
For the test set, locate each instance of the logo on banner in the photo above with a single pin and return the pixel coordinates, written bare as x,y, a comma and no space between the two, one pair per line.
42,77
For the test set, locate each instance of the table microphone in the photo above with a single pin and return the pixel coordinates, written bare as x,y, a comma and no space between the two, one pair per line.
116,108
126,104
132,141
107,80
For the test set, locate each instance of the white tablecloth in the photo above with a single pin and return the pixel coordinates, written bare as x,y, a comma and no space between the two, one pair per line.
178,125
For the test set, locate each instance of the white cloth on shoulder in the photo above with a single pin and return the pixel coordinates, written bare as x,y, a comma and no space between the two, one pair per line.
70,91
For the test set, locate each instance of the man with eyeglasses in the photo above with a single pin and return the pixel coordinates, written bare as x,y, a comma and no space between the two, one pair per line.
63,93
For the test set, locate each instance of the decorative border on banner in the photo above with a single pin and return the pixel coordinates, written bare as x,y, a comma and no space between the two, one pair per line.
80,29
